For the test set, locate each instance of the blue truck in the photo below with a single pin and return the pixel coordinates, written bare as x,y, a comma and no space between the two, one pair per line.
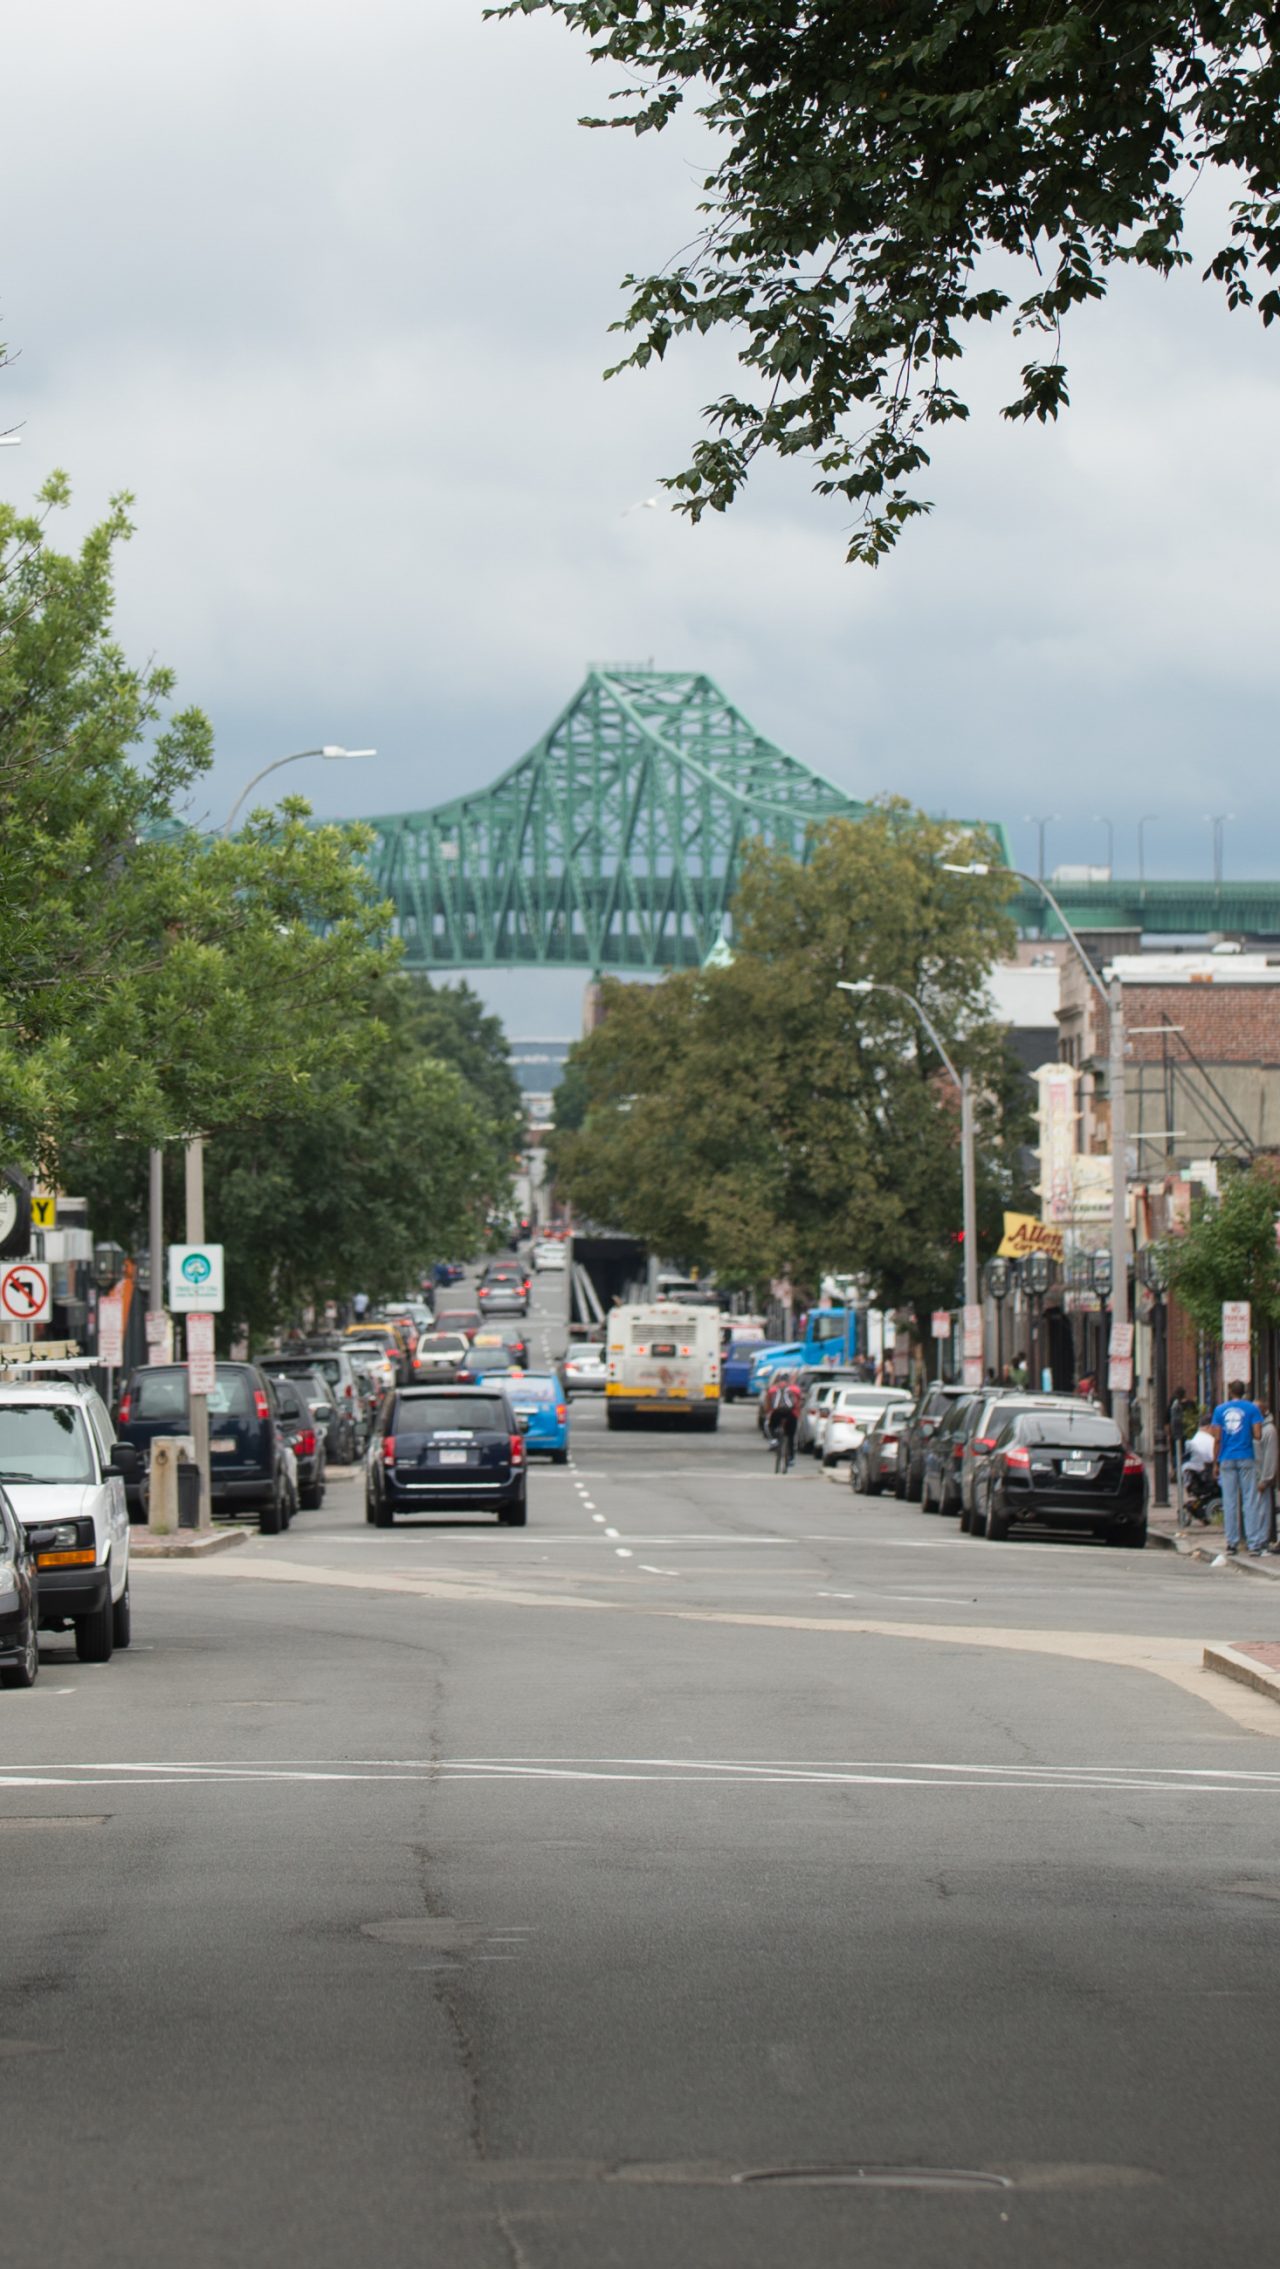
830,1340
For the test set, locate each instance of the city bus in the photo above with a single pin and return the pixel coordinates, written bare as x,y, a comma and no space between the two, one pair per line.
664,1361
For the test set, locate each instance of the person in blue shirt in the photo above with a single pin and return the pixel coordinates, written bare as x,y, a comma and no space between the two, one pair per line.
1237,1431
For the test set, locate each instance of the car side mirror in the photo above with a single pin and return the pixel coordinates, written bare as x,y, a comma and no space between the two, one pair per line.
126,1461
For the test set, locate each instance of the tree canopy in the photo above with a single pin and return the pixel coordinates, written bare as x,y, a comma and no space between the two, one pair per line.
893,173
757,1120
154,977
1228,1250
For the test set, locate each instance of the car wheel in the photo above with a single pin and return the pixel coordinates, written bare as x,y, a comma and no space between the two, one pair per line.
871,1484
25,1670
95,1637
271,1518
559,1457
926,1497
382,1513
966,1521
310,1500
996,1525
915,1484
900,1486
516,1514
122,1618
370,1509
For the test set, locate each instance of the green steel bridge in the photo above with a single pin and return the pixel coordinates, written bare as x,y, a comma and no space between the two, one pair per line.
616,843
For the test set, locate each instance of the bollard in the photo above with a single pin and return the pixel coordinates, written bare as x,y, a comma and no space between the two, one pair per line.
172,1455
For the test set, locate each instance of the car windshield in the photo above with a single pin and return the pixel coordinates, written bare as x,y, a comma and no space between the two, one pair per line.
442,1343
528,1391
451,1414
44,1441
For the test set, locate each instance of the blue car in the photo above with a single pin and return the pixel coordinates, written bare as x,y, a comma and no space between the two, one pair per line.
735,1367
540,1397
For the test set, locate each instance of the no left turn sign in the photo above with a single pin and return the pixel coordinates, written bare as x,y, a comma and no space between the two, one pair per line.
24,1292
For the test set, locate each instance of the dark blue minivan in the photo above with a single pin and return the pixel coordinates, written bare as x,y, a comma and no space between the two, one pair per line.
248,1460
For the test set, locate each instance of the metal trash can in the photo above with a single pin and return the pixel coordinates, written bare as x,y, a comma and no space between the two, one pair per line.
188,1496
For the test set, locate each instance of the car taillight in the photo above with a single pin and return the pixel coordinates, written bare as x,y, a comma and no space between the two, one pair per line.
126,1405
890,1440
562,1412
982,1442
1020,1458
305,1444
388,1449
1133,1463
260,1403
348,1392
517,1449
464,1378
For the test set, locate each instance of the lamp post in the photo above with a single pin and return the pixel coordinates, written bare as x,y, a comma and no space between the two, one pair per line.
1112,999
330,751
1110,825
968,1170
1148,819
1040,821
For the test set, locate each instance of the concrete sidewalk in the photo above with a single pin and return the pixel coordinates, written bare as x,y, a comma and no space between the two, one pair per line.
1197,1543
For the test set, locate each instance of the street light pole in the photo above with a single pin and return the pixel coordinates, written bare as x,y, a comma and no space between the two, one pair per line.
968,1164
331,751
1040,821
1148,819
1112,999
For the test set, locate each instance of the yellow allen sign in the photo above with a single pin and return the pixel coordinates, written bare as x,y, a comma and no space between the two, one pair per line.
44,1212
1024,1235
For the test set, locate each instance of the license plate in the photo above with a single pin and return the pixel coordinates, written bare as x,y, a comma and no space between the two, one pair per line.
453,1457
1080,1466
223,1447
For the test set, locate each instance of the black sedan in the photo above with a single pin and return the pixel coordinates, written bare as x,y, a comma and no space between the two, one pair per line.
305,1438
1066,1470
447,1446
19,1607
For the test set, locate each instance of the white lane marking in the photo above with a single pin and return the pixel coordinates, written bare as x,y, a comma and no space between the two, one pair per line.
588,1505
613,1532
677,1771
620,1552
648,1571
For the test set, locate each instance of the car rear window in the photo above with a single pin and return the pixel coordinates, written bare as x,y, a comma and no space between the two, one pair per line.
1052,1427
232,1395
160,1394
450,1414
441,1343
299,1367
534,1390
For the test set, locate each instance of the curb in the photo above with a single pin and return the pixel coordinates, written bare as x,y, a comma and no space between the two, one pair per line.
1231,1662
1208,1549
186,1546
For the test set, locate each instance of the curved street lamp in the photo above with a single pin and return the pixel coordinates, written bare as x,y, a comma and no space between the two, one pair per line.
330,751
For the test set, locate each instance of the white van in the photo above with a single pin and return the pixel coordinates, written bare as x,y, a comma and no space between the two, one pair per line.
664,1359
64,1475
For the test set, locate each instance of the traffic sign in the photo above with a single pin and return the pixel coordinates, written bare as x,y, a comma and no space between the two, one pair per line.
24,1292
940,1323
202,1370
1237,1323
44,1212
111,1329
196,1279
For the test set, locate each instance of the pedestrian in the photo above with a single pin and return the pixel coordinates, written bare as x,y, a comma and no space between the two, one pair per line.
1268,1465
1018,1374
786,1418
1236,1426
1176,1421
360,1306
1197,1474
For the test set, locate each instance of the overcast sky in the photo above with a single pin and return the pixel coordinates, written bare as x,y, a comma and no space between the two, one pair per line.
328,287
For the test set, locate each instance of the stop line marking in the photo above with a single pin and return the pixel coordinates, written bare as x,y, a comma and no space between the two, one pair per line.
669,1771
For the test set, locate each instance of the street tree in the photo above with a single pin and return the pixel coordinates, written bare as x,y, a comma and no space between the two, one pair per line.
891,175
157,981
1228,1249
755,1119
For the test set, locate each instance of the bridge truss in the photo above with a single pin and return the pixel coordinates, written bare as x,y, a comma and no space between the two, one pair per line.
614,844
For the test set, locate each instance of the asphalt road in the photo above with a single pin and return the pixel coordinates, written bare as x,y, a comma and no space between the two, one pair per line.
629,1889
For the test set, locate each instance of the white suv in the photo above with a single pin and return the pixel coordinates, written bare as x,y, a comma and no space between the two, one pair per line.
64,1474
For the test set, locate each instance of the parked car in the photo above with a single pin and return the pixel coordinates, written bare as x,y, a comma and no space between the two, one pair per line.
982,1422
584,1370
539,1397
248,1467
1067,1469
735,1366
943,1450
304,1434
817,1397
849,1414
441,1447
371,1356
64,1474
448,1272
924,1422
328,1381
19,1597
392,1341
875,1462
465,1320
549,1255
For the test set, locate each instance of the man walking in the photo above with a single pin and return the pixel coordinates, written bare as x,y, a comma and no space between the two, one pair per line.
1236,1426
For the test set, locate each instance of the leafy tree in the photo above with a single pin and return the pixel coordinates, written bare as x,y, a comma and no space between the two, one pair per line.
369,1177
451,1023
887,170
155,979
1228,1250
755,1119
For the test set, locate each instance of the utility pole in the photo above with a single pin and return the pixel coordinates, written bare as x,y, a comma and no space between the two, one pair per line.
199,1404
